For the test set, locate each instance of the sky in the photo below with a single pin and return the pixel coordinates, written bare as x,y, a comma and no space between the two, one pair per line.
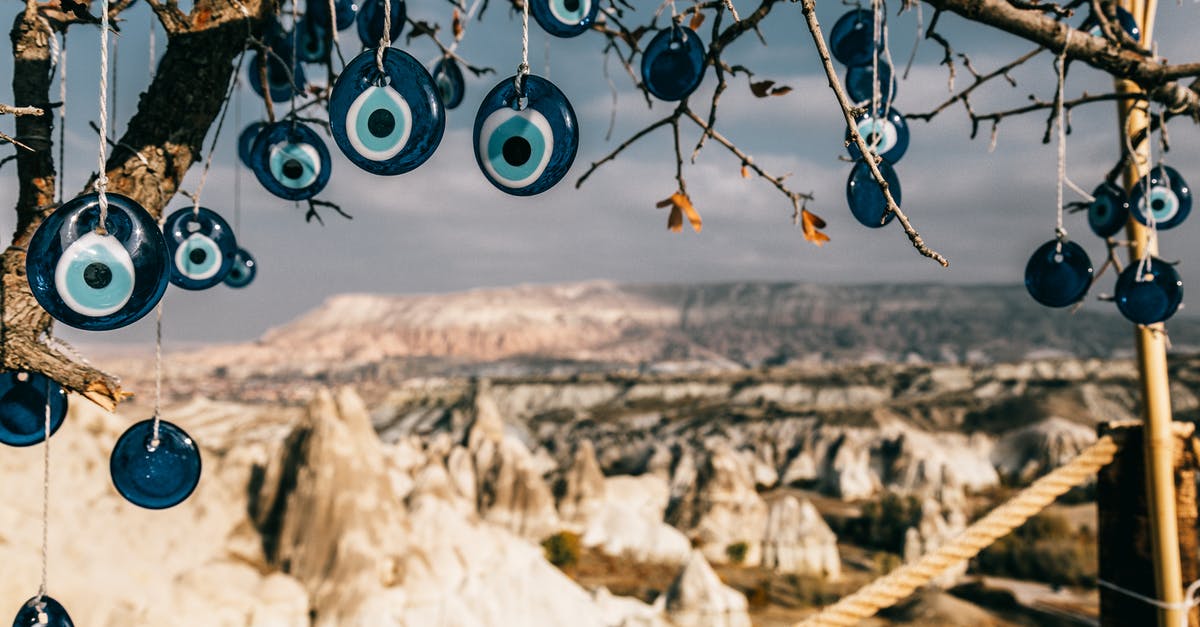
443,227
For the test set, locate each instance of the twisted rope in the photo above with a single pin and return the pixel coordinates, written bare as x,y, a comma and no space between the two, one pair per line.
897,585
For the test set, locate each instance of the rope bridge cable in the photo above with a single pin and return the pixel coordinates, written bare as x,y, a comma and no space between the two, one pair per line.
900,583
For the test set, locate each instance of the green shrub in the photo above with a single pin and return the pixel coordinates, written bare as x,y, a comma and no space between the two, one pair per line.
883,523
736,552
1044,549
562,549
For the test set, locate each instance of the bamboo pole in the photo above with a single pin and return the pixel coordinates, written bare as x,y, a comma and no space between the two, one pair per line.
1152,359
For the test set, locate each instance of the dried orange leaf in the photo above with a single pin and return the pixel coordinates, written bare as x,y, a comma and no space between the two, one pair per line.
675,220
809,224
458,26
697,20
745,172
680,204
781,90
685,203
762,89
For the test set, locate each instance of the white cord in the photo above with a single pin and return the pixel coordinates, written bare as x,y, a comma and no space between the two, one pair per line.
216,135
101,184
386,39
46,492
1059,231
523,69
1189,595
157,373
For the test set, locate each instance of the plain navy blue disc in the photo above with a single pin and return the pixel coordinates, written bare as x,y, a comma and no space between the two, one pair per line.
30,613
370,21
92,280
1162,194
290,160
1149,297
866,200
525,151
450,82
1058,274
201,245
852,39
155,475
860,87
564,18
673,64
888,134
386,124
315,40
246,141
23,399
1109,212
279,83
344,10
243,270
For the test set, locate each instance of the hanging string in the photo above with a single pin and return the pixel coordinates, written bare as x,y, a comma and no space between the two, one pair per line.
237,170
523,69
212,149
157,374
1182,606
386,39
150,53
1059,231
45,495
101,184
333,29
116,47
291,63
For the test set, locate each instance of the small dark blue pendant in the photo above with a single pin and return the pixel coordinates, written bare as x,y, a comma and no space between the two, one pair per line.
866,200
155,474
673,64
1109,212
564,18
42,611
525,150
370,21
1163,195
23,399
246,141
279,83
852,39
344,10
1124,18
1146,297
243,270
93,280
201,244
449,80
1058,274
290,160
315,40
860,86
887,133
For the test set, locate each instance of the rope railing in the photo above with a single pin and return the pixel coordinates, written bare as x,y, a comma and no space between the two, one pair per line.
900,583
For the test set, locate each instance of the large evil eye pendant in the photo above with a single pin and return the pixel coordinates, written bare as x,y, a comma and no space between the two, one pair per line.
1148,296
290,160
1162,195
852,39
243,270
861,88
887,134
564,18
280,84
1109,212
42,611
673,63
201,245
866,200
1058,274
155,472
24,397
525,151
98,279
370,21
386,124
449,80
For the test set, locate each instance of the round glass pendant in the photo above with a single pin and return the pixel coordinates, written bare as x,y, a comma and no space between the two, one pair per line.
860,86
155,474
1146,297
564,18
386,124
449,80
1162,194
315,40
290,160
246,141
866,199
673,64
201,244
23,399
344,10
243,270
98,279
1109,212
852,39
1058,274
42,611
525,146
1124,18
370,21
279,83
888,134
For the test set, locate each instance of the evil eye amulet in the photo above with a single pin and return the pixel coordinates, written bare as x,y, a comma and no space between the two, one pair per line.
23,400
1109,212
449,80
290,160
525,151
852,39
564,18
243,270
1058,274
887,134
315,40
370,21
390,123
673,63
1146,297
201,245
95,280
860,86
246,139
344,11
1124,18
155,474
1163,195
31,613
866,200
279,83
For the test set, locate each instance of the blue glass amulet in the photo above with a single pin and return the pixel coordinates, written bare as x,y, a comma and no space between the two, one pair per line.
1109,212
673,64
243,270
1146,297
887,134
155,474
1163,195
525,150
23,400
866,200
290,160
564,18
201,244
370,21
861,88
1058,274
36,609
852,39
450,82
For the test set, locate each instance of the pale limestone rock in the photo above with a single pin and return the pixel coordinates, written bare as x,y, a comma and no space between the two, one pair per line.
722,507
697,598
582,494
1024,454
936,526
629,522
799,541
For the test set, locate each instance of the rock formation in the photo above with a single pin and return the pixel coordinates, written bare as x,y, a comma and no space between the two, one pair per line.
798,540
697,598
721,507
